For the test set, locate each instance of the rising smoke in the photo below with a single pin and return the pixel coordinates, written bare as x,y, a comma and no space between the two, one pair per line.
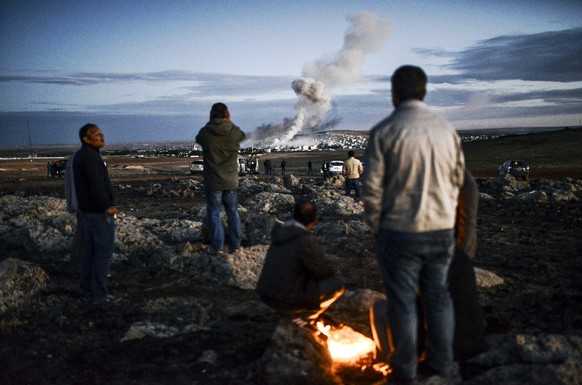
366,34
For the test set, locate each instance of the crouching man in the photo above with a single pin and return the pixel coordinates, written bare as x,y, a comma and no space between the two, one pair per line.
296,279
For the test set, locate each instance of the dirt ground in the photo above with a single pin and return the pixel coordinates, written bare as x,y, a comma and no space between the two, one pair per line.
59,339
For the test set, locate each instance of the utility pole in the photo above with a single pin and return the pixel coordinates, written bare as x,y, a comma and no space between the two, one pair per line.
32,154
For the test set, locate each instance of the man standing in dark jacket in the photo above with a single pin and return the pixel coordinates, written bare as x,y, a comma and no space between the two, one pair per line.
296,277
220,140
97,211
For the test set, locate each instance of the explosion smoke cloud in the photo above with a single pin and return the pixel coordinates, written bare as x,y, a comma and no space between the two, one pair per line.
366,34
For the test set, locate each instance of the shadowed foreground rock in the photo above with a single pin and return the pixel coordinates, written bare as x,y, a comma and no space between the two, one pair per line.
185,316
19,282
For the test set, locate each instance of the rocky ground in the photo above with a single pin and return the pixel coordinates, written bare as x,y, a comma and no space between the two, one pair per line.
185,318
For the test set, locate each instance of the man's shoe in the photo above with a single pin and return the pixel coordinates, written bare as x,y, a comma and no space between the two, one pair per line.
328,320
302,323
309,327
426,371
394,379
109,299
216,252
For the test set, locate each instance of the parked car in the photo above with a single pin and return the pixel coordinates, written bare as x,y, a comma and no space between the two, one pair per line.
517,168
336,167
197,166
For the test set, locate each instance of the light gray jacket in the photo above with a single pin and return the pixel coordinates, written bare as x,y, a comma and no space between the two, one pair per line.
414,169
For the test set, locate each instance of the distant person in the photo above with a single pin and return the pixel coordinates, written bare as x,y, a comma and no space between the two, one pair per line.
283,166
49,169
310,167
220,140
252,164
270,167
96,211
352,170
266,166
325,170
414,170
469,316
296,278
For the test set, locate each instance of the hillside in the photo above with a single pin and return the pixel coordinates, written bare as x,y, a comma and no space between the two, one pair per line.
549,154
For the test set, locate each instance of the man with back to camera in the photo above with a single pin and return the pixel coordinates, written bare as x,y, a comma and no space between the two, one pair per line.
469,316
96,211
352,170
220,140
296,278
414,170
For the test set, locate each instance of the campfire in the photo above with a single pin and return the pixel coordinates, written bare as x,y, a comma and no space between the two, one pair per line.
344,343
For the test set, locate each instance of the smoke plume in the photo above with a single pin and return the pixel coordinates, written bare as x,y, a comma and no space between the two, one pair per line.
366,34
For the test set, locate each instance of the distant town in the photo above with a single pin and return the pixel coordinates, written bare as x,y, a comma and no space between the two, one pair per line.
321,141
324,141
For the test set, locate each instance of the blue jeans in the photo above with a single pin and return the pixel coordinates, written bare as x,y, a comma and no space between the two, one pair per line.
353,184
214,200
409,261
99,242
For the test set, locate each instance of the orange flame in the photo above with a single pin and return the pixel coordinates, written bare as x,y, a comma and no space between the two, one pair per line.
345,344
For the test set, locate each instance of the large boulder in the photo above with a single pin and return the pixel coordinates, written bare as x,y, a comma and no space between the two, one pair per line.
36,223
19,281
333,203
240,270
270,202
296,357
543,359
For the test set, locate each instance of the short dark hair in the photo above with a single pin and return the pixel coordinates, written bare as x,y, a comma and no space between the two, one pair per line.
219,111
83,130
305,212
409,82
351,153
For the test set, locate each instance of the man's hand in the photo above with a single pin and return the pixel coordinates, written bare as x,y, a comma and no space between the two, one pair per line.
112,212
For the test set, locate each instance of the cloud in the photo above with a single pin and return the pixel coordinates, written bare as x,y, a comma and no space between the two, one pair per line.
565,96
93,78
549,56
211,81
433,52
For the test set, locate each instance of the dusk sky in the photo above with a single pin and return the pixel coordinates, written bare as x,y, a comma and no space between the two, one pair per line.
151,70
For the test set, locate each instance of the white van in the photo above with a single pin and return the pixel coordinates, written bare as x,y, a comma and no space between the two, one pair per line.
197,166
336,167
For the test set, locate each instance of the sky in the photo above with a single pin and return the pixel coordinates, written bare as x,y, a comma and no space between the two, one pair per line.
150,70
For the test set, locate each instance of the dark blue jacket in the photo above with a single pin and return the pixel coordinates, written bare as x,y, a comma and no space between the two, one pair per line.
94,189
